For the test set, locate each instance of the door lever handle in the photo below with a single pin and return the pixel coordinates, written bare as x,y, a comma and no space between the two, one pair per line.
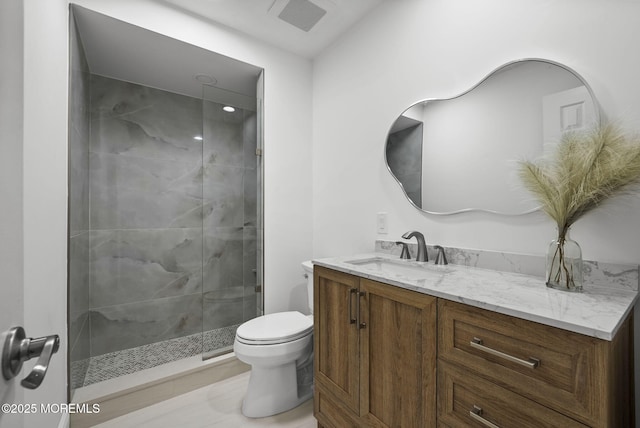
18,348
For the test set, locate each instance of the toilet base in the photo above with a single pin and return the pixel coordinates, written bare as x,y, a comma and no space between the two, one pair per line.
272,391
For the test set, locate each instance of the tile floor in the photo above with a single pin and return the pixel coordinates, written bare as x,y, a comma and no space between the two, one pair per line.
217,405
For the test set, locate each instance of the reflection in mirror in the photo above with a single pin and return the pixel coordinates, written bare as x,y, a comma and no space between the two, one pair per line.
459,154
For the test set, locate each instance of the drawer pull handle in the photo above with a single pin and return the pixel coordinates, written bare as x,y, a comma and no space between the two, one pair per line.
532,363
476,413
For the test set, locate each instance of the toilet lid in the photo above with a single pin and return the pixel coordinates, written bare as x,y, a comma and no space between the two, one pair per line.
275,328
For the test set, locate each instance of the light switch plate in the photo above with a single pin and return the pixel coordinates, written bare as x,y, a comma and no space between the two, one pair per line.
383,223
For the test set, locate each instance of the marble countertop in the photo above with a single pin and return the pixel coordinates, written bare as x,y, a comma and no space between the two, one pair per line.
598,311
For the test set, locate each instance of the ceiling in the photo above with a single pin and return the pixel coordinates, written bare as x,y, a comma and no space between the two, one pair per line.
260,19
126,52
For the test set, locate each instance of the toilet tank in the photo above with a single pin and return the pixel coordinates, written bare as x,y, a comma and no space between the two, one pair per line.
308,273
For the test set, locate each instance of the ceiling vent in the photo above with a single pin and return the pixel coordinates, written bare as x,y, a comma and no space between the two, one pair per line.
303,14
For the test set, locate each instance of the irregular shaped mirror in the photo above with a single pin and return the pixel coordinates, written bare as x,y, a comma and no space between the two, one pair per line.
460,154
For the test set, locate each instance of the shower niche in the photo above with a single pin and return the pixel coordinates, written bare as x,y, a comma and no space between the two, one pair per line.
165,197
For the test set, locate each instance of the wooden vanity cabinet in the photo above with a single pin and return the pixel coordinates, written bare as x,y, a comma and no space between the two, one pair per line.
375,353
377,348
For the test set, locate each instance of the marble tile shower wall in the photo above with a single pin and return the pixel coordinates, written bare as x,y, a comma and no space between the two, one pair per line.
151,197
404,156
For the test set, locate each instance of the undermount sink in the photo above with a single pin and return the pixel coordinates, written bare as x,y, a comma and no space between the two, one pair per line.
406,269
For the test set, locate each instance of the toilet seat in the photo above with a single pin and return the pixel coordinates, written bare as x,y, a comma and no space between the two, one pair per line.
275,328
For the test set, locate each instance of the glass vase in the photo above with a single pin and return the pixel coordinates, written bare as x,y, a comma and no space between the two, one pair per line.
564,264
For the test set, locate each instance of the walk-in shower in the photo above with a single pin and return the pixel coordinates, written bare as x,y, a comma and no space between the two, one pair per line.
165,201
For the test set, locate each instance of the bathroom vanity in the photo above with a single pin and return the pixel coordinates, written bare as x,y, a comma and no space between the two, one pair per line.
405,344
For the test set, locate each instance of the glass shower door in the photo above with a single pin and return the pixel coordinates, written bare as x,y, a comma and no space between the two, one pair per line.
230,173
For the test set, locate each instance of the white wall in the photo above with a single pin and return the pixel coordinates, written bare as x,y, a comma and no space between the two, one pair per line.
11,257
409,50
287,136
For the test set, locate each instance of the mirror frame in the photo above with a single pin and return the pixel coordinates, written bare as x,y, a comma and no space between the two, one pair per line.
597,120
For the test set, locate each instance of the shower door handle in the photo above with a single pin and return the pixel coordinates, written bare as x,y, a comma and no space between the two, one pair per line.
18,348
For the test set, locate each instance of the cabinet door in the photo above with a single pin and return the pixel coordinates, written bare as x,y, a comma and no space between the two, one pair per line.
336,336
398,356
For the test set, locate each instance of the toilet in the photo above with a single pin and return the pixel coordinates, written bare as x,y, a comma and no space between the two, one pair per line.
279,348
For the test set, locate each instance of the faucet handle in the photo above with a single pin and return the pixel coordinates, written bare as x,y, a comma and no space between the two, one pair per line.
405,250
441,258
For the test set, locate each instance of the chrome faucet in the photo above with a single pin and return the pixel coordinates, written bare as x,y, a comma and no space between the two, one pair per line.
422,246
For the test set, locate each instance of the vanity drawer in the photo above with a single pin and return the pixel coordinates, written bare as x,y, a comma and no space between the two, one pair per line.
465,400
568,372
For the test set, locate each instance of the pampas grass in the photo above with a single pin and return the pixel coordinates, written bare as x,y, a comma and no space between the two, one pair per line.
586,169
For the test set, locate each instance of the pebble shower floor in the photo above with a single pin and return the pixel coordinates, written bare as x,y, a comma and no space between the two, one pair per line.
120,363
